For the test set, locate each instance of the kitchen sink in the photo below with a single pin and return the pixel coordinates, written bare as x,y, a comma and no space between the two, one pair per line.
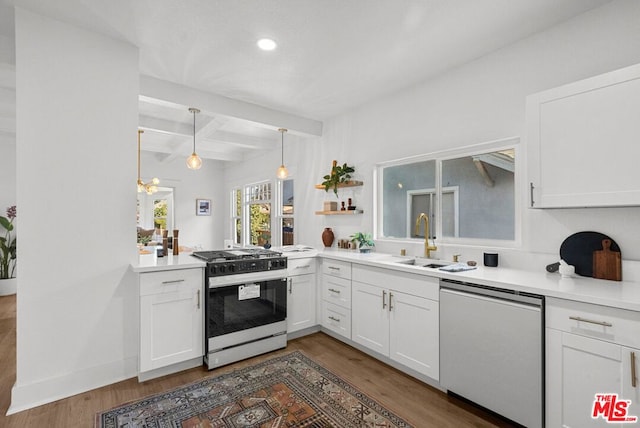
434,265
420,262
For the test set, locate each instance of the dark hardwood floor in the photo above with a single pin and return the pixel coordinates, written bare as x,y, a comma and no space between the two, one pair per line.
419,404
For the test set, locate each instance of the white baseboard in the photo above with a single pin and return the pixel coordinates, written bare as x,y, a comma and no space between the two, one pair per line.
27,396
174,368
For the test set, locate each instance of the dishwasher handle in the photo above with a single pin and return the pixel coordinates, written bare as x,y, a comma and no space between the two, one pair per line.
492,292
505,301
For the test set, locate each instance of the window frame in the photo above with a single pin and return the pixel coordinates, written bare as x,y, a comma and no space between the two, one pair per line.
440,156
276,211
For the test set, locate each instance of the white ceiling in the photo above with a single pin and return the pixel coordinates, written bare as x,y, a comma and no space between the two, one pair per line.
332,55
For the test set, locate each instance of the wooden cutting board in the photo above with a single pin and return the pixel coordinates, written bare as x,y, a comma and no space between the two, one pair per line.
607,264
577,250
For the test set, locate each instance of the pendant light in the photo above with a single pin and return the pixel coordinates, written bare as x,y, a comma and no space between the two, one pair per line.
282,172
194,161
152,186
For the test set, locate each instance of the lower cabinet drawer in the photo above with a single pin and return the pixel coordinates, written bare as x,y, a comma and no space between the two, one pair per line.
336,290
620,326
337,319
170,281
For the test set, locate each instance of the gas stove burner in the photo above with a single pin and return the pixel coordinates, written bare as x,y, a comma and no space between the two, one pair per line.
237,254
241,260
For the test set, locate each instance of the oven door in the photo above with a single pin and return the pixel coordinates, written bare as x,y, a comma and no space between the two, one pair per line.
245,306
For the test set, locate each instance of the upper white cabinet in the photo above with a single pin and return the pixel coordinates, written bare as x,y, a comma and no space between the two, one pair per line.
584,142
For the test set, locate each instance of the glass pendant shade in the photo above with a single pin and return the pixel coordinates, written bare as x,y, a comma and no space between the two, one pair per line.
194,161
282,172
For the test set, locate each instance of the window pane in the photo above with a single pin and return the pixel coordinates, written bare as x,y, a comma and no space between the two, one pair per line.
238,202
400,184
260,223
287,197
160,213
484,187
287,231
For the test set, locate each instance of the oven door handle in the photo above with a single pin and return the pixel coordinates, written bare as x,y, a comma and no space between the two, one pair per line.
290,285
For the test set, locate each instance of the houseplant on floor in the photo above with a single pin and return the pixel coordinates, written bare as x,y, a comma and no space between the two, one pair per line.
7,253
363,240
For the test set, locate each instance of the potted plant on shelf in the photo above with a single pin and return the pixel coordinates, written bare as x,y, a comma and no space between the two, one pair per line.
8,253
364,241
339,174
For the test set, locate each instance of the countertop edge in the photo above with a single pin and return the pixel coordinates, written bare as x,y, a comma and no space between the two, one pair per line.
619,295
152,263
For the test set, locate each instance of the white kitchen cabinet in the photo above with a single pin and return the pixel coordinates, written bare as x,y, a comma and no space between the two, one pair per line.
583,142
301,294
370,326
171,317
402,325
337,319
336,297
583,359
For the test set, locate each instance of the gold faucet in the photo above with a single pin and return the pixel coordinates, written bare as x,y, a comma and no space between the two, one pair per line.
427,248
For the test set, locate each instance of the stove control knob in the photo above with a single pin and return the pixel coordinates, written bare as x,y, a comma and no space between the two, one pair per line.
222,269
232,268
213,270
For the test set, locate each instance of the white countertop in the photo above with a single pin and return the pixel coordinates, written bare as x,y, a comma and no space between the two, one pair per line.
153,263
618,294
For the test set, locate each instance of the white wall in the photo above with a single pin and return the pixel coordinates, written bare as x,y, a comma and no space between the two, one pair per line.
189,185
481,101
7,125
77,117
7,174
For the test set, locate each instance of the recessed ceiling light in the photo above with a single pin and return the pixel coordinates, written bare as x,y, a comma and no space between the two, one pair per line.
267,44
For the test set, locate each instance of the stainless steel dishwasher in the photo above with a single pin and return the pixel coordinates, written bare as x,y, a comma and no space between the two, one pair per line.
492,349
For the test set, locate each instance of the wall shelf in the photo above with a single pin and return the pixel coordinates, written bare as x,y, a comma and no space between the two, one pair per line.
350,183
346,212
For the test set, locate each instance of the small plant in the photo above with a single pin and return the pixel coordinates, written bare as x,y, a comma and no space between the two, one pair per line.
362,239
339,174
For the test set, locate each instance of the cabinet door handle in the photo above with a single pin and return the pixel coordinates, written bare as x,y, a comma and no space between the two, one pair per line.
334,268
303,267
390,297
290,286
633,369
384,299
175,281
334,319
602,323
531,190
198,299
334,290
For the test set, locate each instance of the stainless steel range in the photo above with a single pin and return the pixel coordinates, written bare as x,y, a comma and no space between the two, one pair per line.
246,305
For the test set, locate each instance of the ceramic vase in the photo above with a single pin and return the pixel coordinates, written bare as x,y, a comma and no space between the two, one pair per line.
327,237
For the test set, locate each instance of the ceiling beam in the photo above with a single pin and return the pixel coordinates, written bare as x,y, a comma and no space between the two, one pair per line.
176,95
164,126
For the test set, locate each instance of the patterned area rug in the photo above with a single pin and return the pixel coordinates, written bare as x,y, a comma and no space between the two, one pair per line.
286,391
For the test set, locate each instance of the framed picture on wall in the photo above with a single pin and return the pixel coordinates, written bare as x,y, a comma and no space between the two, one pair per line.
203,206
